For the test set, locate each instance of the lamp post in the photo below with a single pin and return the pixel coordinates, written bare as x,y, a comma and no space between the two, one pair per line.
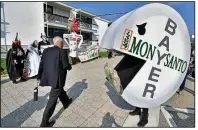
46,19
4,25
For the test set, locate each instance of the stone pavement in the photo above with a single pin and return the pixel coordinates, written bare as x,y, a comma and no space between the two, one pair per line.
179,110
95,103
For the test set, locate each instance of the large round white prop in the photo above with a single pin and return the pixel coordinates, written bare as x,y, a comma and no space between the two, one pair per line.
108,39
157,34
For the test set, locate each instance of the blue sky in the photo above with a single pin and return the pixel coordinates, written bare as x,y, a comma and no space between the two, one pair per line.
186,9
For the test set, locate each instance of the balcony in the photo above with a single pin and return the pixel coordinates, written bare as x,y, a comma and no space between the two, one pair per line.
55,19
64,21
89,27
94,26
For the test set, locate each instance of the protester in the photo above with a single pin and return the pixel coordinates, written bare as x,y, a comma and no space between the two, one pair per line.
33,59
15,61
126,69
52,72
41,43
182,86
193,69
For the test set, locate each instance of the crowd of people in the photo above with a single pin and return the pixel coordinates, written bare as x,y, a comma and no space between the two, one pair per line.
37,62
24,64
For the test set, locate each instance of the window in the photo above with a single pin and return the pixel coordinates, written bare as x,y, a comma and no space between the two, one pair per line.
52,32
87,36
89,21
49,9
84,19
77,16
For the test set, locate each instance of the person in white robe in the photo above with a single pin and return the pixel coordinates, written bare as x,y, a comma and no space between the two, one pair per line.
33,59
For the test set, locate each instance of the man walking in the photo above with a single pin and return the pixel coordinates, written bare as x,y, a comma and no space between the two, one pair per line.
52,72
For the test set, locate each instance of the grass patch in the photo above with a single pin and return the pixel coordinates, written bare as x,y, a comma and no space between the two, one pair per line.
3,65
103,54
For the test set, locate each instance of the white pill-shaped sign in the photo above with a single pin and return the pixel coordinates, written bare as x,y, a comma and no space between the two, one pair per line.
156,44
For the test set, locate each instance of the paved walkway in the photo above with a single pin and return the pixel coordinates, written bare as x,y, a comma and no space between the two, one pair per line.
95,104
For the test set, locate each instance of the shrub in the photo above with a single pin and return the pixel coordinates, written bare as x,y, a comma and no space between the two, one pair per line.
3,65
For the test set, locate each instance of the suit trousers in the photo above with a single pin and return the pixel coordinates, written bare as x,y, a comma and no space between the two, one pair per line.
144,110
55,93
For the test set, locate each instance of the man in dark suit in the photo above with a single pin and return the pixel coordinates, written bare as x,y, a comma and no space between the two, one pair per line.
52,72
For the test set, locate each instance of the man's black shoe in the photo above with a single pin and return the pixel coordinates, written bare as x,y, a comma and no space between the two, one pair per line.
51,123
143,120
14,82
135,112
69,102
48,124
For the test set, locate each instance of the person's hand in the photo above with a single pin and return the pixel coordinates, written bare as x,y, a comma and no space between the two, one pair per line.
191,65
15,61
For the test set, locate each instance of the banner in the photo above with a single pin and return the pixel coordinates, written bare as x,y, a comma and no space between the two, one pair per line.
156,44
90,53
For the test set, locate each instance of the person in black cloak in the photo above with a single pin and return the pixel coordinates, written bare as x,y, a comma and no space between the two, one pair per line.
43,42
15,61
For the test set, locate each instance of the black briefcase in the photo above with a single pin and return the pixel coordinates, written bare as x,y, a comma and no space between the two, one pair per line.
36,92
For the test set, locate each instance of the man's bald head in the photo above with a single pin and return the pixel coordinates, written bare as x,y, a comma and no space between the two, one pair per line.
58,41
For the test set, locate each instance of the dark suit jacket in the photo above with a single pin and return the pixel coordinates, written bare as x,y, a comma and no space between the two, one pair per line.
53,67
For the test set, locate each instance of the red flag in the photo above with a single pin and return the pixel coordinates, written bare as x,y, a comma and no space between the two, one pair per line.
74,25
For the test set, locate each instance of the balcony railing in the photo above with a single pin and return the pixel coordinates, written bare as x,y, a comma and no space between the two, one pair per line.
53,18
85,26
92,27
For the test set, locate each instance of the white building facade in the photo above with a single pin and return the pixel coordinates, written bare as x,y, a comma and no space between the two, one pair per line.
30,19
